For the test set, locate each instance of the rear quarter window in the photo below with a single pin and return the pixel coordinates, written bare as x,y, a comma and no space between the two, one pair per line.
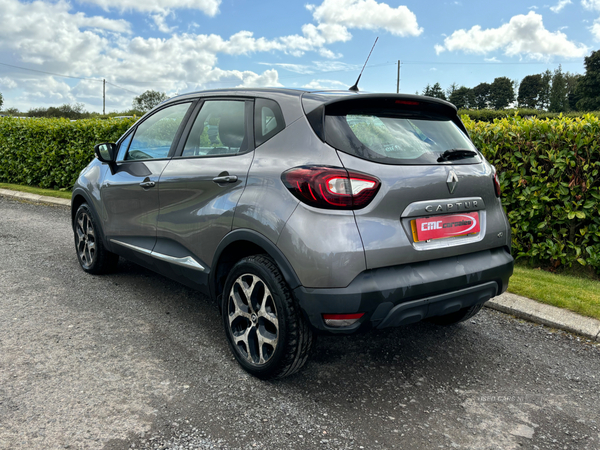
268,120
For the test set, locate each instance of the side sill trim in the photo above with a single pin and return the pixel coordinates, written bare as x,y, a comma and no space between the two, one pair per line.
186,261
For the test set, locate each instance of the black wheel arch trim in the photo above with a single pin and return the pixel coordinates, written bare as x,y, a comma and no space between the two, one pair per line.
238,235
78,192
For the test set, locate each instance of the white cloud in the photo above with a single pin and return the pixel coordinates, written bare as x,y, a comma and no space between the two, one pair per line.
316,67
335,66
8,83
367,14
326,53
594,5
49,36
161,23
251,79
523,35
326,84
41,32
493,60
48,89
209,7
560,5
595,29
296,68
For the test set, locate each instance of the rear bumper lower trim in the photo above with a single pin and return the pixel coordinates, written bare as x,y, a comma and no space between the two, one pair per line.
398,295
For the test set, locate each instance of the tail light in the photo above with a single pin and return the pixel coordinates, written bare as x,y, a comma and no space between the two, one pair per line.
331,187
497,184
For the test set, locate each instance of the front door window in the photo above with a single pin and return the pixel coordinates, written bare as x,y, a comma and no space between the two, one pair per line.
154,136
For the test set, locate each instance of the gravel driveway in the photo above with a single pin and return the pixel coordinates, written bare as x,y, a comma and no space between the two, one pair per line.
134,360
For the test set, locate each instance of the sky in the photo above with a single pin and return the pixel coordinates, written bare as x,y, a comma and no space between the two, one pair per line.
57,52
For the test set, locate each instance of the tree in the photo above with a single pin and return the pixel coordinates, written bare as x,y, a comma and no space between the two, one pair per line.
559,93
588,87
481,92
451,90
1,100
572,95
502,93
148,100
74,111
545,88
462,98
434,91
529,91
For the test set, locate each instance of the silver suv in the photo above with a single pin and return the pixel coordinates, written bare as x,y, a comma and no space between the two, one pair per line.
301,212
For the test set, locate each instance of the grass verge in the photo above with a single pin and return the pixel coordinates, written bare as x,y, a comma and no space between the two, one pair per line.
36,190
577,294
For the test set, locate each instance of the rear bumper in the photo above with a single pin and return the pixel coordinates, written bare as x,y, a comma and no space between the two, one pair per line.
399,295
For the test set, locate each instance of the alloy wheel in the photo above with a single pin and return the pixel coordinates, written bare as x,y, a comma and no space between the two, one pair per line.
86,239
252,318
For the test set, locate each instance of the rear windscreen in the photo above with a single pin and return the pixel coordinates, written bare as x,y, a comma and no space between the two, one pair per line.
397,137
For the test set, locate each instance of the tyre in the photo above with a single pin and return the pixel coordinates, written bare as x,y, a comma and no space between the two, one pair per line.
456,317
267,333
92,255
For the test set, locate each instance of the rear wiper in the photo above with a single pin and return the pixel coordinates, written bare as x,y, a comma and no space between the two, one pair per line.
456,153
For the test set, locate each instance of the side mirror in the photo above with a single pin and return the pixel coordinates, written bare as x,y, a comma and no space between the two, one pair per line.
106,152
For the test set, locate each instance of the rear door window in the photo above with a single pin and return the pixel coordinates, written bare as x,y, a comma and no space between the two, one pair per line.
219,129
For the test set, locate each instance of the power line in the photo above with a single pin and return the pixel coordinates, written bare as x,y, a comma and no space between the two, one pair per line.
135,93
67,76
49,73
394,63
348,69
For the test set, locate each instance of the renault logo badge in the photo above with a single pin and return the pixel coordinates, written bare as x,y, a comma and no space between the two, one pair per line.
452,181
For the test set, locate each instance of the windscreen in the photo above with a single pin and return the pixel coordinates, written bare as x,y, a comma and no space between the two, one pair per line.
398,137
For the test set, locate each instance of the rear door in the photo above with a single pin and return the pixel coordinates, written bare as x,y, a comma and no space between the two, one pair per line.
200,187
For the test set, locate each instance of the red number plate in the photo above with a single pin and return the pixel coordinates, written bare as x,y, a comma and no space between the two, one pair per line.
439,227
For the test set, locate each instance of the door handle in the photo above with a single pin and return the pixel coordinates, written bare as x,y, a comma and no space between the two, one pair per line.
226,179
147,184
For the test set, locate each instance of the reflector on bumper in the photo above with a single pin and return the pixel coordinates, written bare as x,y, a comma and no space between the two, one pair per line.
341,320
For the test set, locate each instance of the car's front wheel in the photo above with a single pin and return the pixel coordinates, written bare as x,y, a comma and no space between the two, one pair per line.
266,332
92,255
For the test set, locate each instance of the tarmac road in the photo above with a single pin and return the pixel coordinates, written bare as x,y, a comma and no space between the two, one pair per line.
134,360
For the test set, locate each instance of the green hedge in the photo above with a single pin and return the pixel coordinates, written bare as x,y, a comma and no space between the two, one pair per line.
489,115
50,153
549,173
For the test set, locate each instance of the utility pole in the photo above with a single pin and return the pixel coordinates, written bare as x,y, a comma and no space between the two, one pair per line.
398,79
103,97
